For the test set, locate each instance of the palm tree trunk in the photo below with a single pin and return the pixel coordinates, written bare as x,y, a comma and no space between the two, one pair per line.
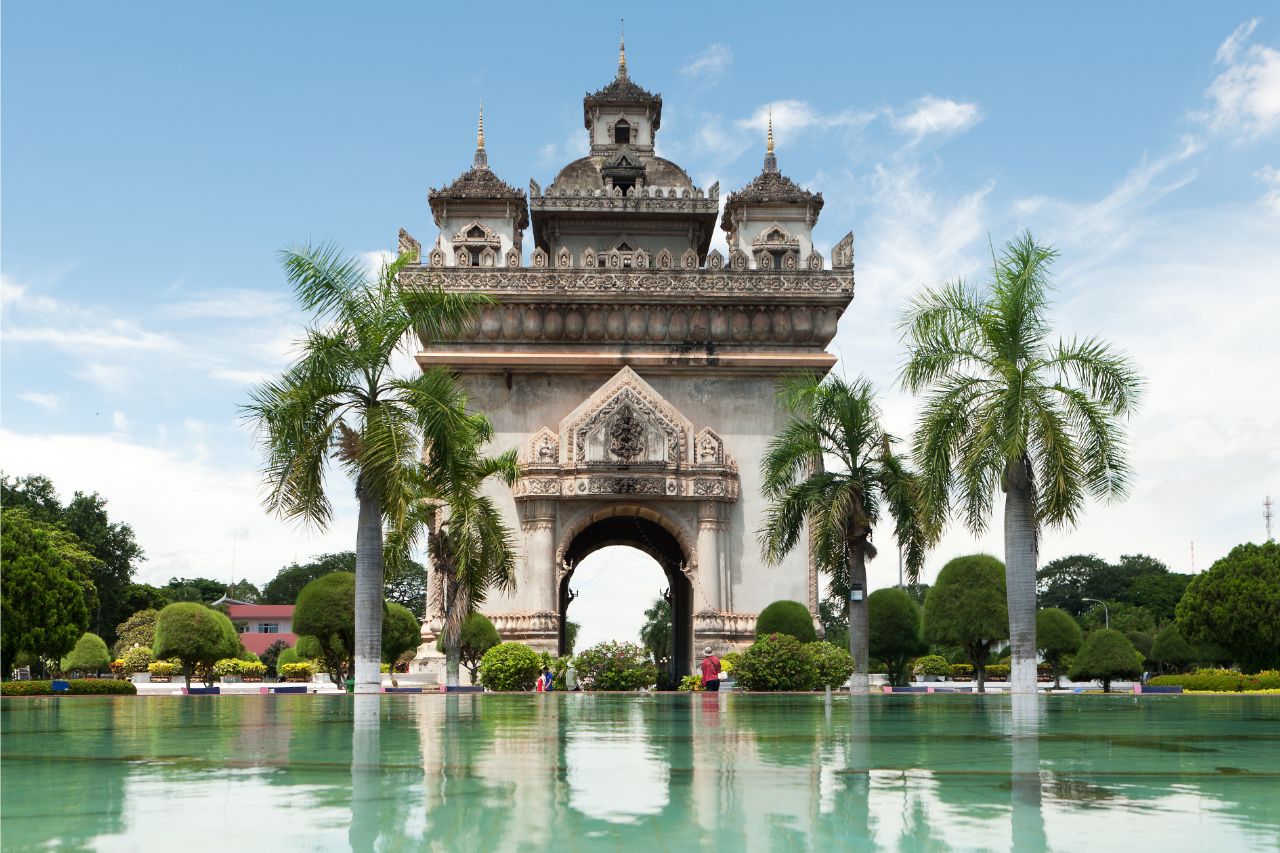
1020,558
859,624
368,651
453,620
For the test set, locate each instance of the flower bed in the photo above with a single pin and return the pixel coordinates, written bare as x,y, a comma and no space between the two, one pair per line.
75,686
1220,681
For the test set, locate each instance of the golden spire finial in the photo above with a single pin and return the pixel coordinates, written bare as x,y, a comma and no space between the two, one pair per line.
622,48
770,143
480,128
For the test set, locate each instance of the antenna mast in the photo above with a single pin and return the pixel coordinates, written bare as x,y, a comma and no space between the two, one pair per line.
1268,514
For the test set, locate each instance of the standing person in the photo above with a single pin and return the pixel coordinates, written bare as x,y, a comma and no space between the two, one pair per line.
546,682
710,671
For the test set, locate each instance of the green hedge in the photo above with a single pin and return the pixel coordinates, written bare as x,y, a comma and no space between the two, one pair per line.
997,671
615,666
786,617
78,686
932,665
1220,681
509,667
777,662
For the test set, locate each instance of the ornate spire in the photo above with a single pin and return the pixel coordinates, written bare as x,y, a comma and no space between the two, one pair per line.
622,50
770,161
482,158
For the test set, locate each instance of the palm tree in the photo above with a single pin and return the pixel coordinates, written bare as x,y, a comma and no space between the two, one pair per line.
1007,407
833,466
470,547
341,400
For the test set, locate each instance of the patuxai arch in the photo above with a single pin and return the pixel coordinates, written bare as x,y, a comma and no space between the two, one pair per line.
634,367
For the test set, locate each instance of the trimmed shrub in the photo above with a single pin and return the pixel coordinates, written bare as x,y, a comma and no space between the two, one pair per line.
297,669
1170,651
89,655
478,636
400,632
998,671
1058,637
326,612
616,666
509,667
253,669
962,670
1142,642
966,607
894,624
833,664
932,665
227,666
76,686
786,617
777,662
288,656
137,659
1106,655
196,635
164,668
1221,681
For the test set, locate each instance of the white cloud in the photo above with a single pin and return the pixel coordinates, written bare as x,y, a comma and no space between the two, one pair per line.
114,335
14,295
1270,177
711,63
232,305
183,509
794,118
375,259
108,377
119,422
48,402
1246,96
931,115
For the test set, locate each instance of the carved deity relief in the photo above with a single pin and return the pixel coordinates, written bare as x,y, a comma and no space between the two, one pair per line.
626,435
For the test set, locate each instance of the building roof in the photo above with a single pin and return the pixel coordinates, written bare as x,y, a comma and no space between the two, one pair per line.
259,643
622,92
769,187
260,611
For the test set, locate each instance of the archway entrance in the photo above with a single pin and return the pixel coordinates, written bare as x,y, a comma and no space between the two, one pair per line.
653,539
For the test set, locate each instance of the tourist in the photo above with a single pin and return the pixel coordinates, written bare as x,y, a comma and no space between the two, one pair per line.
710,671
570,677
546,681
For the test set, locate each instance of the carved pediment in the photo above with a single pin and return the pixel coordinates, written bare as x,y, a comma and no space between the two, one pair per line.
626,422
542,450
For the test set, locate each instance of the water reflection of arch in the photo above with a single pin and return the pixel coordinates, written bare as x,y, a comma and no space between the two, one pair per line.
650,530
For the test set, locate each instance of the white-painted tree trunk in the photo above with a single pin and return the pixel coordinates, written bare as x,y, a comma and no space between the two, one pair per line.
859,625
368,650
1020,562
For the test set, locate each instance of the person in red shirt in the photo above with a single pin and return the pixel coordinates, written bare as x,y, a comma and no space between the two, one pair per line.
710,671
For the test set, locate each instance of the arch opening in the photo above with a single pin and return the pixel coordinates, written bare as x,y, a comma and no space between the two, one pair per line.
654,540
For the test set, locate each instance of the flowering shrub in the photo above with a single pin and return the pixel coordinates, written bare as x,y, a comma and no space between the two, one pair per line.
616,666
227,666
1221,680
997,671
253,669
729,662
509,667
691,684
77,686
164,668
299,671
962,670
137,659
932,665
117,668
833,664
778,662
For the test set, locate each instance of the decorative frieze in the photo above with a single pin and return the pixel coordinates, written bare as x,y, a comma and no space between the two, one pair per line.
712,281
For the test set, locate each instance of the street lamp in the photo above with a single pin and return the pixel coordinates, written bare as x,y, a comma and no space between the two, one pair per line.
1106,614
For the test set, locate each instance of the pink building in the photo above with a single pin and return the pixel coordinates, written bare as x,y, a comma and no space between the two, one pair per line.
261,625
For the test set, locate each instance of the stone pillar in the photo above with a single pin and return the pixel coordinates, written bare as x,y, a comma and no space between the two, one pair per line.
708,595
540,570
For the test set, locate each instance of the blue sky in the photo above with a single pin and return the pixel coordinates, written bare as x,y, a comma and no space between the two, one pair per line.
155,159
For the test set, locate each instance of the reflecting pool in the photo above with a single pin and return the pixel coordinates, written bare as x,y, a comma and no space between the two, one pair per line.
653,772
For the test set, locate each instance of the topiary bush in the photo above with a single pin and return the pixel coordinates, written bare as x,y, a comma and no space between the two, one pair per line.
297,671
196,635
478,636
287,656
962,671
77,686
932,665
894,623
616,666
252,669
137,659
1106,655
777,662
164,668
832,664
509,667
227,666
786,617
89,655
1058,638
1170,651
1221,681
998,671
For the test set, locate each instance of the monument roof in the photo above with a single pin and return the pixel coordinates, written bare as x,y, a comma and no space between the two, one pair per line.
770,187
622,91
479,183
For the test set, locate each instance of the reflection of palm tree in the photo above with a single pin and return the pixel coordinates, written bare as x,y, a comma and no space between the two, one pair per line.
1028,819
366,773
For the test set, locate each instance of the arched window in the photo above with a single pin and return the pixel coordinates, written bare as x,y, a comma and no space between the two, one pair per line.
622,132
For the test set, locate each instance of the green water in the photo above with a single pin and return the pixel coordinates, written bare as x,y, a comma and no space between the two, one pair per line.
663,772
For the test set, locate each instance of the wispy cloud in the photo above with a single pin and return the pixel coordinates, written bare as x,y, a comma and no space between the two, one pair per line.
931,116
231,305
712,63
115,335
1270,177
14,295
793,118
47,401
1245,96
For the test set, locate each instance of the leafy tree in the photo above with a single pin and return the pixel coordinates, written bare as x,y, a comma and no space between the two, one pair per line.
406,584
1121,615
342,394
509,666
1236,605
1170,651
199,590
966,608
571,630
837,422
1057,636
142,596
89,655
1064,583
478,636
326,611
832,664
1106,655
1158,594
289,581
1141,641
895,631
400,632
198,636
47,592
786,617
1008,408
243,590
138,630
271,657
35,494
835,628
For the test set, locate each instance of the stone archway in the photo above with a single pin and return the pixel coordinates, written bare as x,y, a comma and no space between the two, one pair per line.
636,527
